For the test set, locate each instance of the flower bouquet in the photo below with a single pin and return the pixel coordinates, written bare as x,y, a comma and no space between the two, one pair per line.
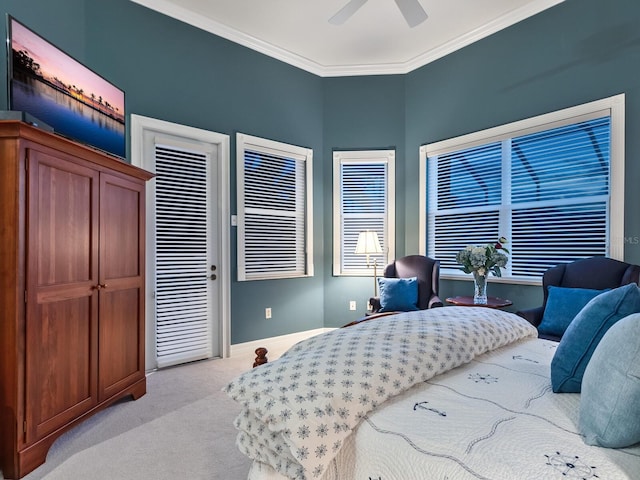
480,260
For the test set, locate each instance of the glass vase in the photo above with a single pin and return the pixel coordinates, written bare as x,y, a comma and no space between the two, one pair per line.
480,289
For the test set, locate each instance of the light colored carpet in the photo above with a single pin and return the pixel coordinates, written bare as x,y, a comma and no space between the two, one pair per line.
194,442
181,429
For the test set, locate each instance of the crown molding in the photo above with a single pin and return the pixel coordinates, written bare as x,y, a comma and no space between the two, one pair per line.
184,15
200,21
486,30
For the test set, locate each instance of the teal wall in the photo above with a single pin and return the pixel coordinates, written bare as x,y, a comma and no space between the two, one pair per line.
578,51
573,53
175,72
178,73
365,113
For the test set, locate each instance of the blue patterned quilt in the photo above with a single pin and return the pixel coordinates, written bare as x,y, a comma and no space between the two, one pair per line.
299,410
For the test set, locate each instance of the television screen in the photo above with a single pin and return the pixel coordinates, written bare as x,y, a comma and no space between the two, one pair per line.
58,90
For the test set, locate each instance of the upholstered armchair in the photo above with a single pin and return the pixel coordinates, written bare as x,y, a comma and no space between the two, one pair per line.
427,272
595,273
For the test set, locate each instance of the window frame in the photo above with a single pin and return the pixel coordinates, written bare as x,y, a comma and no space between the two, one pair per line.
613,106
363,157
270,147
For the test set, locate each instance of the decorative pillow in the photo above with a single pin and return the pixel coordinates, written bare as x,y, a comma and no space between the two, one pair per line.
563,304
610,398
398,294
583,334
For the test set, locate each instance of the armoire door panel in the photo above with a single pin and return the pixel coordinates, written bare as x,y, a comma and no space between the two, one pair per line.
62,309
120,228
120,357
65,211
60,350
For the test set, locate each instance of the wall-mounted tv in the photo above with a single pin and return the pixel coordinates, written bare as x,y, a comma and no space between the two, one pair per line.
61,92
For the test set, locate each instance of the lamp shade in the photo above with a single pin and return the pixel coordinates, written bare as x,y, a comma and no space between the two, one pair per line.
368,243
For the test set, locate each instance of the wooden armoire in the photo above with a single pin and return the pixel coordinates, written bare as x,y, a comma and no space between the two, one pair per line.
71,288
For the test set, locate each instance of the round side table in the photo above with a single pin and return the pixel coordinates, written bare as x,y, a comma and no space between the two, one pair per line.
467,301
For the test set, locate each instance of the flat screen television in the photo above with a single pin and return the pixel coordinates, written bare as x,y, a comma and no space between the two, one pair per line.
63,93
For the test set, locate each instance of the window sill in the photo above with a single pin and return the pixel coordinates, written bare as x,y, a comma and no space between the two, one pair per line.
494,279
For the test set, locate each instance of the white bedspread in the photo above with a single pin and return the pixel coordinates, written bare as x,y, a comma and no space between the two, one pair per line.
494,418
299,410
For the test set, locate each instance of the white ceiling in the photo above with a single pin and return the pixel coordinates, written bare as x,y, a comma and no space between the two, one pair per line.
375,40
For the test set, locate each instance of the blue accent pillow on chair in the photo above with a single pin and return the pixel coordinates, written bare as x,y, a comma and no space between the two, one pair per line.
398,294
585,332
563,304
610,398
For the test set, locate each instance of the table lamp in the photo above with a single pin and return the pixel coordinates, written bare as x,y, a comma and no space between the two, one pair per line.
368,244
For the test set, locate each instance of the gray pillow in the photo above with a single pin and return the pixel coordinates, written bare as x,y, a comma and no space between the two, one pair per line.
610,398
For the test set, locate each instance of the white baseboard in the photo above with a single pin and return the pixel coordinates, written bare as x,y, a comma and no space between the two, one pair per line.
274,344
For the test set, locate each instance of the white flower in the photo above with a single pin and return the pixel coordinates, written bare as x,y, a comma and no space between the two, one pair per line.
484,259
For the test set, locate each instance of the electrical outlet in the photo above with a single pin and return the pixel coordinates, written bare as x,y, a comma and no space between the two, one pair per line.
267,312
352,305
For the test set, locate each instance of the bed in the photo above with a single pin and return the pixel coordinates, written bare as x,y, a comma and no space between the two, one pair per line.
447,393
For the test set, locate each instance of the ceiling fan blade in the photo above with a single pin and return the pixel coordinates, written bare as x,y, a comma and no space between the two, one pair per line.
412,11
345,12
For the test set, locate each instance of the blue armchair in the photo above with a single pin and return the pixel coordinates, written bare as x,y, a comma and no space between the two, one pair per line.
425,269
598,273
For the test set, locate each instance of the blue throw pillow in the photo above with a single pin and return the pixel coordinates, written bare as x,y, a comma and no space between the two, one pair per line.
563,304
610,398
584,333
398,294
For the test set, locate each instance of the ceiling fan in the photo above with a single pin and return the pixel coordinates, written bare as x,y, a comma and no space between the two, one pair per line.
412,11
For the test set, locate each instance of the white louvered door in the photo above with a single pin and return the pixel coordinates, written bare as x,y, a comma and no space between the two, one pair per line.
186,271
188,232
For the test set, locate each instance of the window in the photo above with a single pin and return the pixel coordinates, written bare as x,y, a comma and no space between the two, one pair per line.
363,199
553,185
274,209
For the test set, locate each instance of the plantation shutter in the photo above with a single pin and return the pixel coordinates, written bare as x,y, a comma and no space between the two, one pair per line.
182,306
363,199
273,223
560,195
466,187
547,191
